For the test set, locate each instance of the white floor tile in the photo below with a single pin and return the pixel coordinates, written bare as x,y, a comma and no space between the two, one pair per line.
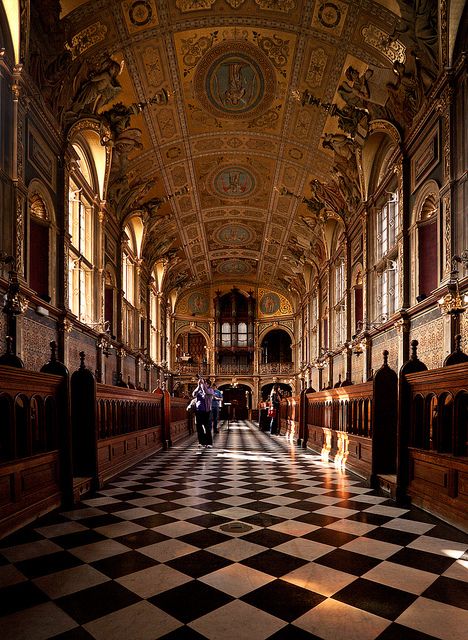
436,619
142,620
333,620
237,621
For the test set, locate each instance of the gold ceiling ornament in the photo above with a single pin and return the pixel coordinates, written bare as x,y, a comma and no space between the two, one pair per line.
86,38
284,6
235,4
140,14
394,50
194,5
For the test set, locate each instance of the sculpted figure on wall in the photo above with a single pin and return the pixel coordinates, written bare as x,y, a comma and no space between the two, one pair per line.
417,28
101,87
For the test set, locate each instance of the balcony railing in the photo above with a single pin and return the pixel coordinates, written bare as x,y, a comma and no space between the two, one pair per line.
234,369
276,368
184,368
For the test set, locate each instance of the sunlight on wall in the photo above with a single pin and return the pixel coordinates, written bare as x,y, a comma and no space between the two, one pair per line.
13,17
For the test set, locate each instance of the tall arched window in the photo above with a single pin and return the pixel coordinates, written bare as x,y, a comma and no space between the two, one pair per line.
427,247
82,229
41,247
386,255
129,259
154,322
340,302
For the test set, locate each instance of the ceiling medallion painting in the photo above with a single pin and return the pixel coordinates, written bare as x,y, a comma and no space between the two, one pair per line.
233,182
235,267
234,235
235,80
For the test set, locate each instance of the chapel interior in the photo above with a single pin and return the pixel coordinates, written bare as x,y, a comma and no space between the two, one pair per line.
266,194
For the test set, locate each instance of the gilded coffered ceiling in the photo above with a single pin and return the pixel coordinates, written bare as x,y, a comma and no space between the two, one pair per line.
249,127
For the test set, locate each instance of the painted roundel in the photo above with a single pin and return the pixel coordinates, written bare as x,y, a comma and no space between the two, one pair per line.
233,182
269,303
234,235
198,303
235,80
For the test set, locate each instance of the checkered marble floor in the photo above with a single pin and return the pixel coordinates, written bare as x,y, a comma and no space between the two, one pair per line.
150,556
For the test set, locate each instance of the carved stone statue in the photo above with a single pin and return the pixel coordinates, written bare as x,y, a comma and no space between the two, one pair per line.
418,29
330,196
405,95
101,87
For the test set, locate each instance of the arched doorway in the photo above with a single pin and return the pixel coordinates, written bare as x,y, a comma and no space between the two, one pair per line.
237,401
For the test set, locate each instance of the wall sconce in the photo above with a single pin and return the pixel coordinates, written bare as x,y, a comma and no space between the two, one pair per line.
453,302
159,98
14,303
320,364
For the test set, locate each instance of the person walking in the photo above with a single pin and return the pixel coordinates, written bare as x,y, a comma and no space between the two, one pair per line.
203,395
215,406
275,401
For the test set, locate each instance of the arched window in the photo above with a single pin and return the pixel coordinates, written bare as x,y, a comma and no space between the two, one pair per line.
226,334
427,247
110,297
339,309
242,334
129,259
41,249
386,257
82,229
154,321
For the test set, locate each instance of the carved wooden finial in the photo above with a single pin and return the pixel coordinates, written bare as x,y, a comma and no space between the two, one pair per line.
385,358
9,345
82,360
53,351
414,349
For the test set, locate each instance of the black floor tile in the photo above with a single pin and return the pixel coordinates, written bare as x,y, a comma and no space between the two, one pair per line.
399,632
89,604
75,634
44,565
99,521
376,598
422,560
20,596
199,563
183,633
318,519
370,518
79,539
393,536
274,562
123,564
267,537
190,600
209,520
333,537
204,538
154,521
23,536
354,563
290,632
454,592
141,538
263,520
283,600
